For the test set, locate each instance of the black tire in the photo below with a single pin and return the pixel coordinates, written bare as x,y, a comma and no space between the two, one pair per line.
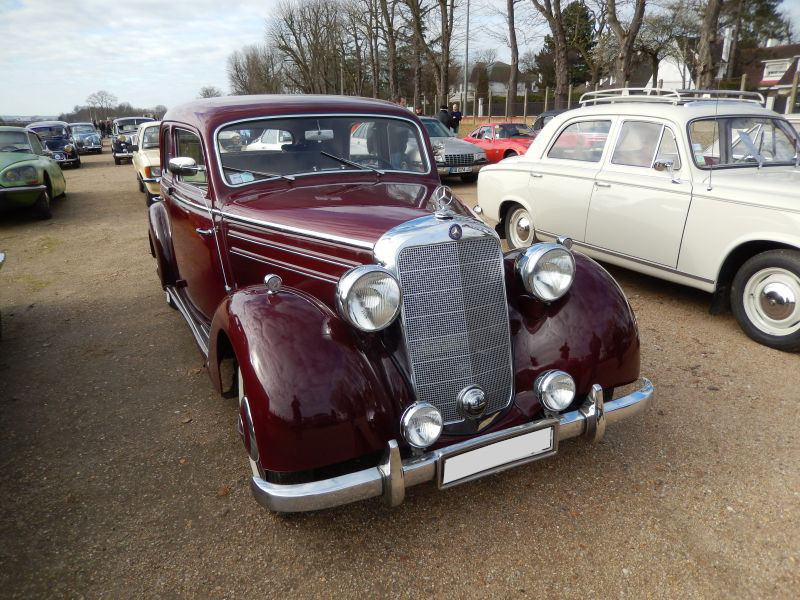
148,199
509,154
513,219
141,186
765,298
78,165
116,161
42,206
469,178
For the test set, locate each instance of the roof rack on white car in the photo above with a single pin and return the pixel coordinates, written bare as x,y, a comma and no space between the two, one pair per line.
667,96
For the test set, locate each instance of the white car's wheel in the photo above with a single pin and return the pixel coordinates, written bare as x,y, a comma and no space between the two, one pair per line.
519,228
765,297
246,427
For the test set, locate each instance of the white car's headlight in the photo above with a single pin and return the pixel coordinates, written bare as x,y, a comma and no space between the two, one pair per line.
368,297
155,171
547,270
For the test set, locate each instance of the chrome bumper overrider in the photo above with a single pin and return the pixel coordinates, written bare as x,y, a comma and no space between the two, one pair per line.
391,478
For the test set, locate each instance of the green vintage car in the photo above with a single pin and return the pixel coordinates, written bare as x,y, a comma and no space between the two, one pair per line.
28,177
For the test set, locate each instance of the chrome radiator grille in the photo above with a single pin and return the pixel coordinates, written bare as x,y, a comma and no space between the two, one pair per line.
459,160
456,322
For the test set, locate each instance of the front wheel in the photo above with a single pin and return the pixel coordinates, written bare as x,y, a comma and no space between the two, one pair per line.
509,154
519,228
117,161
42,206
765,298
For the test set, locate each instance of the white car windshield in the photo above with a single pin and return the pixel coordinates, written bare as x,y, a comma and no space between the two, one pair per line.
742,142
257,150
435,128
150,137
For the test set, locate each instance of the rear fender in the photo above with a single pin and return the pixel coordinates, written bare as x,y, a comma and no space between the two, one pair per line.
161,244
319,392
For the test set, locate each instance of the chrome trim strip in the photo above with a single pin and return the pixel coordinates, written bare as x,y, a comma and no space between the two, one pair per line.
23,189
641,261
217,153
297,230
276,263
384,480
292,250
197,332
193,206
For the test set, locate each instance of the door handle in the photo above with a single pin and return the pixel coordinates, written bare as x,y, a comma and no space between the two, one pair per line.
204,232
537,175
601,184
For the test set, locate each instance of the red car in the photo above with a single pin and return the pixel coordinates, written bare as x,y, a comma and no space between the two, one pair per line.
501,140
369,324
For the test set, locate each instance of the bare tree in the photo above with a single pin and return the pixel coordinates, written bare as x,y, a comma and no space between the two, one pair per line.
440,60
708,35
659,33
209,91
625,39
103,100
551,11
388,13
254,70
513,75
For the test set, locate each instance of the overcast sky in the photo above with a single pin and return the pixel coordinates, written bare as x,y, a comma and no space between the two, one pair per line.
55,53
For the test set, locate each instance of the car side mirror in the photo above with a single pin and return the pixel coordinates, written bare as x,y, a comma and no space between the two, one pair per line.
183,165
666,165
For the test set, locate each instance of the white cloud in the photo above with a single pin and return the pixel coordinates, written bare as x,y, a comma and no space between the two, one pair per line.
146,52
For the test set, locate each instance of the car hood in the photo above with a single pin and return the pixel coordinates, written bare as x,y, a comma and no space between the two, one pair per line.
455,145
361,212
56,143
775,187
9,158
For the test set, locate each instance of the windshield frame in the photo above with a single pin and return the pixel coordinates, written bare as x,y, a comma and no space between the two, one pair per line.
355,115
783,124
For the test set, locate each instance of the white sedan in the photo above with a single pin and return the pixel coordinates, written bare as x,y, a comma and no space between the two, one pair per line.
693,188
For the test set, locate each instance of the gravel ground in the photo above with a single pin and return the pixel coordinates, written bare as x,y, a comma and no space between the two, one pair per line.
122,475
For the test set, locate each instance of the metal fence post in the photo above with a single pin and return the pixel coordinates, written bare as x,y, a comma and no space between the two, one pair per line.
490,105
569,96
546,94
525,106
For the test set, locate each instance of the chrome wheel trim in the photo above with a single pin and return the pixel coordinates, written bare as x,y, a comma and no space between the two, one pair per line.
520,228
240,387
771,299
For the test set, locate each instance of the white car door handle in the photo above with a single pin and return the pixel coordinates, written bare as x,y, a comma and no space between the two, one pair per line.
537,175
601,184
204,232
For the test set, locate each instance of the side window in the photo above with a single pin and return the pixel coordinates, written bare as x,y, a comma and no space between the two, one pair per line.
637,144
668,149
166,147
36,145
704,136
188,144
583,141
486,133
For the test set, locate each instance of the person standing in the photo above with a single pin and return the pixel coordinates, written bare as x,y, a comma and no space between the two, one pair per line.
455,118
444,117
418,111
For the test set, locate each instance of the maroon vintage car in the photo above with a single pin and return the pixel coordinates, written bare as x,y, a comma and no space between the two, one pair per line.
370,325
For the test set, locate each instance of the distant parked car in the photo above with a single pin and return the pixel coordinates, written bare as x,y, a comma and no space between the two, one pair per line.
501,140
123,131
147,160
454,156
58,142
698,188
28,176
544,118
87,138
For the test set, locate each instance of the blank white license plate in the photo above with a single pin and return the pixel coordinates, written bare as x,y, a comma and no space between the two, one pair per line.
460,169
495,455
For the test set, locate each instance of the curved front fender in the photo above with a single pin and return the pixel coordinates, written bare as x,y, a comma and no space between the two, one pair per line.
319,392
161,244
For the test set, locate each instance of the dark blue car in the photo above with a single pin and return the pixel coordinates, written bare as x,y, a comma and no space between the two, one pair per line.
58,141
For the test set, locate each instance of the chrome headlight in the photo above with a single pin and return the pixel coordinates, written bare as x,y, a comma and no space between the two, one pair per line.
438,152
122,138
421,425
479,156
368,297
69,148
155,171
555,389
25,174
547,271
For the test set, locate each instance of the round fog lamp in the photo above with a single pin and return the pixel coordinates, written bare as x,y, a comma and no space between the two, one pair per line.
555,389
421,425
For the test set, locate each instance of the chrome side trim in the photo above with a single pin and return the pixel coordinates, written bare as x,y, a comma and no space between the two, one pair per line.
23,189
385,480
282,265
296,230
199,335
292,250
641,261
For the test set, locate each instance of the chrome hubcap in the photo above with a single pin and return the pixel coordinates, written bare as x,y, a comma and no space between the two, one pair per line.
521,230
770,301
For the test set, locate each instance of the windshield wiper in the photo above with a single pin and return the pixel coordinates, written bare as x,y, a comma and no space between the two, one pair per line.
286,177
344,161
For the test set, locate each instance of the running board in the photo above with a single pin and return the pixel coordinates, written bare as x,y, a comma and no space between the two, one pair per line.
200,336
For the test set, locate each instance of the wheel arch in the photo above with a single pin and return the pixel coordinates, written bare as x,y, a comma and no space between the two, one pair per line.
161,244
505,206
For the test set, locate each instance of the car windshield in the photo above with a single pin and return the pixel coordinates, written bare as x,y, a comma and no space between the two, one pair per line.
83,129
14,141
258,150
510,130
742,142
436,129
54,131
131,124
150,137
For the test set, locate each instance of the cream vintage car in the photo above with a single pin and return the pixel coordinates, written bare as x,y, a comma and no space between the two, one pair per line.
699,188
147,160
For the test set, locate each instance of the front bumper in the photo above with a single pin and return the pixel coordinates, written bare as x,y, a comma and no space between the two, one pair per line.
391,478
22,189
445,170
123,154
